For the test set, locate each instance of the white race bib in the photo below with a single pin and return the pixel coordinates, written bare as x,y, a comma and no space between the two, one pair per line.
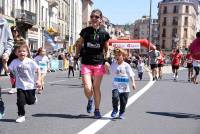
121,83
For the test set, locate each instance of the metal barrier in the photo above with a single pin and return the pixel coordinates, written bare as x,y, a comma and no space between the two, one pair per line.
55,65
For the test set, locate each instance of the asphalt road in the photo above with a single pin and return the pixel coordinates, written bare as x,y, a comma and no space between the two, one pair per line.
163,107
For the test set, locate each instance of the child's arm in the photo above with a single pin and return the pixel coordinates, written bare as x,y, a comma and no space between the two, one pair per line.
133,83
38,81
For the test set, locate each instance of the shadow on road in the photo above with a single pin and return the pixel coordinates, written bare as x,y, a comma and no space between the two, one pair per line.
7,120
176,115
69,116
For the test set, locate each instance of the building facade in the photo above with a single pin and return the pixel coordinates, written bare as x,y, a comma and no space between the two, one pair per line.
177,23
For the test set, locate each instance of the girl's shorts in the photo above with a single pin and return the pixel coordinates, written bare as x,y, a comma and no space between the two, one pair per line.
93,70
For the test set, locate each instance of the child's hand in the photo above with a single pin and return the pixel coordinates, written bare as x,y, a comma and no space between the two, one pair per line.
134,87
107,66
38,84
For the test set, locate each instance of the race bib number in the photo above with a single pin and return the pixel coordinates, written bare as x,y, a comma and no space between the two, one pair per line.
43,67
121,83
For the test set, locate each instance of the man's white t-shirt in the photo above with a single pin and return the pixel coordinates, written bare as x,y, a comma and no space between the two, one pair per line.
24,72
42,62
121,76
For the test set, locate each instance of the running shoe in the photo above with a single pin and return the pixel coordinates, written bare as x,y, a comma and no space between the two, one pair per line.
12,91
20,119
89,105
114,113
97,114
121,115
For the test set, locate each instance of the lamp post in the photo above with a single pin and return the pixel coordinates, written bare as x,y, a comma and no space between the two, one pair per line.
150,4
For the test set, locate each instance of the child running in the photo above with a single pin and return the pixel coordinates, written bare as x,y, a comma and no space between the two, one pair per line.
24,70
122,76
140,68
42,60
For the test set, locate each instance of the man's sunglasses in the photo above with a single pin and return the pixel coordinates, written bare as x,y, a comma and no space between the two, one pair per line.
94,16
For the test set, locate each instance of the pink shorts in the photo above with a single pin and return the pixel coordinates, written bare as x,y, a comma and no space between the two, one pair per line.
93,70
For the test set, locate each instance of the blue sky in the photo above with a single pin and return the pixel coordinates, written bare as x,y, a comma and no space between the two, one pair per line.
125,11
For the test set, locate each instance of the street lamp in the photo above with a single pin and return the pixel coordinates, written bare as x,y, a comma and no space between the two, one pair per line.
150,4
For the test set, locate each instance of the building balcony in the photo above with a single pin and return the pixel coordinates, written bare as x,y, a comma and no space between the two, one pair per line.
25,17
53,3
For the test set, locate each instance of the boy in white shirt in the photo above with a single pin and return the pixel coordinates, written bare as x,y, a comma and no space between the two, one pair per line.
122,77
24,70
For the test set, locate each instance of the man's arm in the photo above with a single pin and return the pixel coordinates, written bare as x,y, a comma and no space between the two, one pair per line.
9,43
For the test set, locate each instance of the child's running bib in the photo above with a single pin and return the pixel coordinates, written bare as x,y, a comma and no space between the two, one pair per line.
43,66
121,83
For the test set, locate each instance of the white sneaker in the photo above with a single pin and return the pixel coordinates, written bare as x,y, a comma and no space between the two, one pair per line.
12,91
20,119
174,76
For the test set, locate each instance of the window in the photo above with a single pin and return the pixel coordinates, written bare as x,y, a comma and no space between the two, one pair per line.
165,21
165,10
42,14
186,9
186,21
163,44
164,32
174,32
2,6
175,21
185,33
175,9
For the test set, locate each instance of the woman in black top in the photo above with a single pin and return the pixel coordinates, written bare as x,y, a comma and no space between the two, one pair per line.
94,44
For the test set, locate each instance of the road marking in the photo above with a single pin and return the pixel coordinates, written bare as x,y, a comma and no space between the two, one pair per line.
99,124
5,89
55,81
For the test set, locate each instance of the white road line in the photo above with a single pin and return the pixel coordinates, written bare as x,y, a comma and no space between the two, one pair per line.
5,89
55,81
99,124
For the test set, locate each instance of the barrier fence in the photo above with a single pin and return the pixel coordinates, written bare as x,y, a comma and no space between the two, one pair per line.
55,65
